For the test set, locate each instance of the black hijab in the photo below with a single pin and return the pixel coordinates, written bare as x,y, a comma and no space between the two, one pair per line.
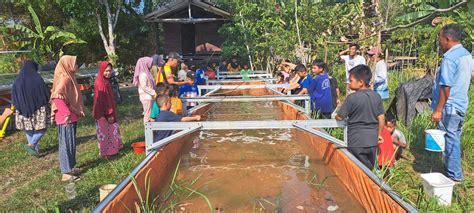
29,90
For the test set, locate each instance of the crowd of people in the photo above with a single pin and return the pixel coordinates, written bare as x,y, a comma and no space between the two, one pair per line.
363,107
372,137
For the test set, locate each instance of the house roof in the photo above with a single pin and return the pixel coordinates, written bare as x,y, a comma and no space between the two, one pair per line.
165,13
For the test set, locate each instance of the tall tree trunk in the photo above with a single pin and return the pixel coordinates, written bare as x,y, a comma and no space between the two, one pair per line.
109,43
246,45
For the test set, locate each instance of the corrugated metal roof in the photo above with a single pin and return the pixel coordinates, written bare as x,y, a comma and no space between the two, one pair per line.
160,14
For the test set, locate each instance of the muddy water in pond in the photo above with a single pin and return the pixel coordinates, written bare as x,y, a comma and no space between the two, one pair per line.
258,170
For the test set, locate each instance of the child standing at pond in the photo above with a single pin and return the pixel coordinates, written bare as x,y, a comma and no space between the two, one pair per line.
365,116
164,102
160,89
176,103
397,136
245,72
190,89
320,90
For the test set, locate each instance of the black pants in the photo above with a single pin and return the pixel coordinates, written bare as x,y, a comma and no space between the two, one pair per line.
366,155
399,152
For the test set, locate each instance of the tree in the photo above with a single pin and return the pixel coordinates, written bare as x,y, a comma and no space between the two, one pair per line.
49,41
431,13
112,19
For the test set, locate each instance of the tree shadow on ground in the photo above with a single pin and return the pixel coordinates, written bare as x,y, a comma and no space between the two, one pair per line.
82,200
99,160
52,149
84,167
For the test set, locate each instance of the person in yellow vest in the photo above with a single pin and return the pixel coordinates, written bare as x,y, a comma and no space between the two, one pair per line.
165,74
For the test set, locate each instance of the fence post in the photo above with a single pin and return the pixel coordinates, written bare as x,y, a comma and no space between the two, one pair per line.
148,137
345,134
307,107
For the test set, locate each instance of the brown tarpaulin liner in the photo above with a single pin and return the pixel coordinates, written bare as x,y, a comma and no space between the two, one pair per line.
366,191
159,167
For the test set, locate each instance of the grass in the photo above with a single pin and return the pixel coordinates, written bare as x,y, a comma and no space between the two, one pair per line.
30,183
407,181
405,177
177,192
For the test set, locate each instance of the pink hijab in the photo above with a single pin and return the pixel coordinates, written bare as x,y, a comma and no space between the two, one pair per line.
143,66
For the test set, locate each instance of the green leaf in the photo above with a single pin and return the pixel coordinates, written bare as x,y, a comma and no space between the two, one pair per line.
50,29
62,34
74,41
23,29
443,3
470,5
38,27
426,7
414,15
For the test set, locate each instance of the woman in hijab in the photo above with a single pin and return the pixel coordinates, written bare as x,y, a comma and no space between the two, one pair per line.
67,107
143,79
156,66
104,112
31,100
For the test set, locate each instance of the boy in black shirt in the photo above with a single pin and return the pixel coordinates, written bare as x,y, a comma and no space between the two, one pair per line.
164,102
365,116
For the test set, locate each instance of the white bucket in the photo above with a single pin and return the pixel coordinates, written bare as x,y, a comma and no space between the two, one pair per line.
434,140
439,186
105,190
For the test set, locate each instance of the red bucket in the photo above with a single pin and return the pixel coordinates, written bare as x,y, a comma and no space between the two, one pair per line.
138,147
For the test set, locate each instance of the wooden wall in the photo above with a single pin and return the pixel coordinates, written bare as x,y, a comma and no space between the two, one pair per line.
205,33
172,34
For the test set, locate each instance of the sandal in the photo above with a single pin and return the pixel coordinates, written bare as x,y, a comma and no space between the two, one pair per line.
76,171
70,178
31,150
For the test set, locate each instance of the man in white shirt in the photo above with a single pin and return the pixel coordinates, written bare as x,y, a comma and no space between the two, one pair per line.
351,59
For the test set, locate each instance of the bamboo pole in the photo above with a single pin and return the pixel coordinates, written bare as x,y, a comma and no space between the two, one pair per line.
325,52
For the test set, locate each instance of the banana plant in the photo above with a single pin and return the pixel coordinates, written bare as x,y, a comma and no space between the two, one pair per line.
49,41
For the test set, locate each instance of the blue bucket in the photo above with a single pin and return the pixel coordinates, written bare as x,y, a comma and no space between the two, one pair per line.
434,140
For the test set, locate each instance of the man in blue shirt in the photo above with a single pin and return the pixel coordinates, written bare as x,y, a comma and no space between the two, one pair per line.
450,96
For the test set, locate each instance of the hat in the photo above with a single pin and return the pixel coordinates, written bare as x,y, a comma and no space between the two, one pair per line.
176,56
191,75
374,51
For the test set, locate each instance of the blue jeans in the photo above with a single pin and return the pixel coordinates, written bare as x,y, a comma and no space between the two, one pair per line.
67,147
452,122
34,136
